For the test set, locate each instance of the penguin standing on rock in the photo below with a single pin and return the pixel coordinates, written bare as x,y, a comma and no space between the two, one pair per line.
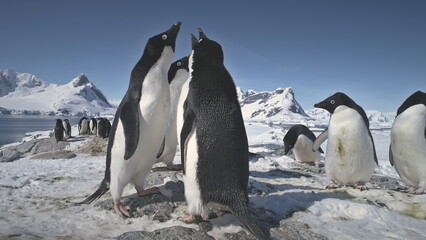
178,74
140,122
351,155
407,151
214,147
301,139
59,130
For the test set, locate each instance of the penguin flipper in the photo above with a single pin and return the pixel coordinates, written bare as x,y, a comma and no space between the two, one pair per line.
320,139
189,117
161,150
101,191
390,155
374,148
130,120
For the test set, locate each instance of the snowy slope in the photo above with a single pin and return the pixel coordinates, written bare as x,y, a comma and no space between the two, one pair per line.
23,93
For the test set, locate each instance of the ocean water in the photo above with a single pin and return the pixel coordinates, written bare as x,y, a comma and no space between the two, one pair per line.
14,127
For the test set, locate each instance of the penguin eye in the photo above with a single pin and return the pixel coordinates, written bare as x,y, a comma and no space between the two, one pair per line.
164,37
332,101
178,64
200,40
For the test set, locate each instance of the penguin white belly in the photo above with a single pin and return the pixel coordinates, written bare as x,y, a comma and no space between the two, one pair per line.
409,145
154,112
349,157
303,150
171,137
179,115
192,187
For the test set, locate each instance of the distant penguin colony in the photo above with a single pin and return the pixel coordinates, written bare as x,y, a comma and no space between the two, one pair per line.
351,155
301,139
140,122
214,146
407,151
178,74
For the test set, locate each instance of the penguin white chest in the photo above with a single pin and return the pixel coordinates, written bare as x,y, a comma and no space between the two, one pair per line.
303,150
409,145
350,157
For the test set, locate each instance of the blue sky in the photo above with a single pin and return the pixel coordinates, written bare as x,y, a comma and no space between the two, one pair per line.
374,51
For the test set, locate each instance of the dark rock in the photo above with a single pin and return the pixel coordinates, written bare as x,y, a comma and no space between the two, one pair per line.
61,154
241,235
172,233
47,145
9,155
293,230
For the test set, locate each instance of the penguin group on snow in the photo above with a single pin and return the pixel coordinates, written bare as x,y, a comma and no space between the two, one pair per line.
94,126
164,107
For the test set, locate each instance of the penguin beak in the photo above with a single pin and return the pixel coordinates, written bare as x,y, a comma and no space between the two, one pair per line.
172,33
202,35
194,41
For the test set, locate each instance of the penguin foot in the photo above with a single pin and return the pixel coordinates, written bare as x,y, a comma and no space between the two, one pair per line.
332,185
144,192
361,187
190,218
122,209
412,190
173,167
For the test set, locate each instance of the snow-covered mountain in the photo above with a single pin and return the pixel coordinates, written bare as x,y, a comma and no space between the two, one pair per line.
276,106
23,93
281,107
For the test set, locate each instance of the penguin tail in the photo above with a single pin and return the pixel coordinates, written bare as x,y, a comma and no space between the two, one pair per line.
96,195
243,215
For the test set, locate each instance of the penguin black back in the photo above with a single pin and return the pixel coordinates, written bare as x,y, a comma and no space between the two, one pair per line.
59,130
213,110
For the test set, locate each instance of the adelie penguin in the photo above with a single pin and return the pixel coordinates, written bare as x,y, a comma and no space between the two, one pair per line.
93,126
351,155
59,130
140,122
178,74
214,148
407,151
67,128
301,139
83,126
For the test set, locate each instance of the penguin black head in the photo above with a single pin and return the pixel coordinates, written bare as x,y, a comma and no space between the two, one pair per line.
331,103
289,141
179,64
58,122
156,43
418,97
206,50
